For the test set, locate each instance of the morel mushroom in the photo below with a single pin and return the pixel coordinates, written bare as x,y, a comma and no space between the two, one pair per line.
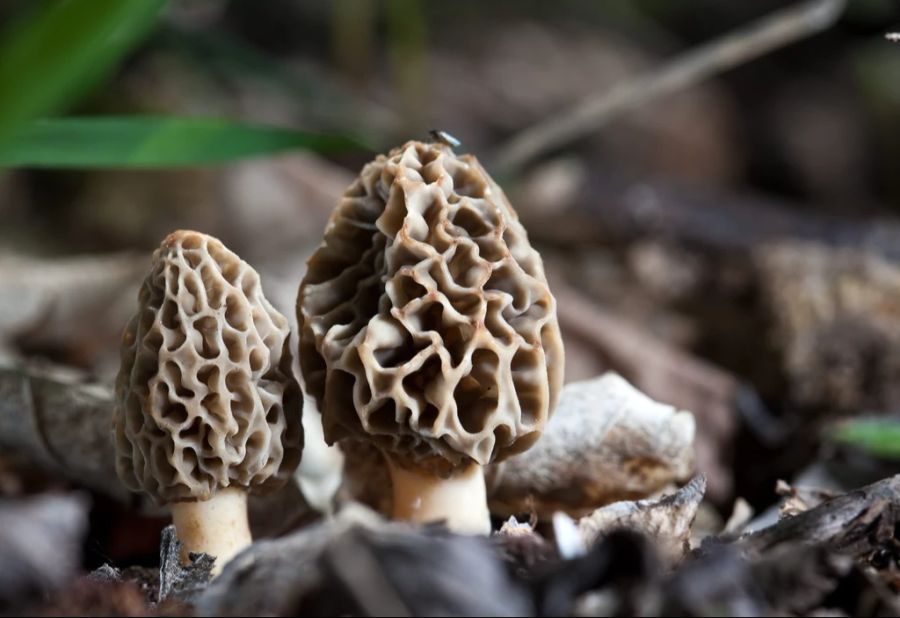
207,407
428,329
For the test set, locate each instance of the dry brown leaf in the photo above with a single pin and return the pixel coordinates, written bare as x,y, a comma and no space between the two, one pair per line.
667,520
607,441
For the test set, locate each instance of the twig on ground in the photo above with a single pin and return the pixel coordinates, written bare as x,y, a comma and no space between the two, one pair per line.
726,52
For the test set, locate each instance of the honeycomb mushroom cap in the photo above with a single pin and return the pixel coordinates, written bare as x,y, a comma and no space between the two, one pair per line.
205,397
427,326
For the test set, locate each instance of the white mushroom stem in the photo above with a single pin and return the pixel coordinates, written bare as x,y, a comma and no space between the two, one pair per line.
459,501
217,526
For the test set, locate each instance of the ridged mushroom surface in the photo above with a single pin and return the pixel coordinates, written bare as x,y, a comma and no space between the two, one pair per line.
427,326
205,397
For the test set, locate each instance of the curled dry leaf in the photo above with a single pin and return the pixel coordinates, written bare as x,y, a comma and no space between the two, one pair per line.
607,441
668,519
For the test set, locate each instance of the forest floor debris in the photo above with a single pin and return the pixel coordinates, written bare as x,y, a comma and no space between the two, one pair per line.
841,556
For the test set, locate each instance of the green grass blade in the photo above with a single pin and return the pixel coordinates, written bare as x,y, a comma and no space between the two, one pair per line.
59,53
879,437
140,141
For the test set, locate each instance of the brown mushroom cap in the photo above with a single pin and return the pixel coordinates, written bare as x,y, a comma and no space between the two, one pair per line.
205,397
427,326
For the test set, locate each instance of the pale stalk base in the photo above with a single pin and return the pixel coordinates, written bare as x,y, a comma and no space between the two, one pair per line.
217,526
459,501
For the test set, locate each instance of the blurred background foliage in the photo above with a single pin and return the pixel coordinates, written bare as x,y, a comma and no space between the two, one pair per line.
361,75
120,121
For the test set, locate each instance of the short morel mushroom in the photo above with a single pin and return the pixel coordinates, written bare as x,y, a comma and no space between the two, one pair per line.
207,407
428,330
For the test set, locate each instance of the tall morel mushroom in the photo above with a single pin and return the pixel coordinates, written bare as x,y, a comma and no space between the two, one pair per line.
207,407
428,329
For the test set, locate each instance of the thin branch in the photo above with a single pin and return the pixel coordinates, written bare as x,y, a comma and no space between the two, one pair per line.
769,33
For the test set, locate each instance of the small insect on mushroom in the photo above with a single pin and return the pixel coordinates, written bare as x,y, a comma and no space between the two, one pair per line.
207,407
428,330
443,137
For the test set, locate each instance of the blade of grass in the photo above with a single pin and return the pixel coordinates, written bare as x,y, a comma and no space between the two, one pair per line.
877,437
56,55
141,141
